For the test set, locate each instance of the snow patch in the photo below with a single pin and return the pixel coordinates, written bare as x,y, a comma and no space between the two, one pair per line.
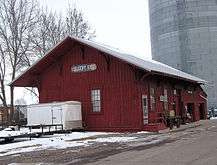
143,132
75,139
7,132
114,139
53,142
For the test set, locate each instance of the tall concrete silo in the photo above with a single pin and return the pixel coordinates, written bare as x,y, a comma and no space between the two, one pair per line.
184,36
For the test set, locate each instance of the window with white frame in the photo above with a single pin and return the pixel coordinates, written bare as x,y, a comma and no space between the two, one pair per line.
96,100
152,99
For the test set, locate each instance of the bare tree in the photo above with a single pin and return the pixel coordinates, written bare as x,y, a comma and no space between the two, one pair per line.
28,32
20,101
17,21
76,25
53,27
50,30
2,77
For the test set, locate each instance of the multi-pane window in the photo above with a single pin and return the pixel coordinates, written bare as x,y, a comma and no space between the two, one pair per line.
145,109
152,99
96,100
165,100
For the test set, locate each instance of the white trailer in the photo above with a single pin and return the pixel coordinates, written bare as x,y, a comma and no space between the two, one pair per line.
68,114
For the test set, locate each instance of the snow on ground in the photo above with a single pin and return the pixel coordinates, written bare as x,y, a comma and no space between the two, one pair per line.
213,118
143,132
6,133
114,139
60,141
74,139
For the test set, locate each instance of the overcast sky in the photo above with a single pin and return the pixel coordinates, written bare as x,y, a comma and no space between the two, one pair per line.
120,23
123,24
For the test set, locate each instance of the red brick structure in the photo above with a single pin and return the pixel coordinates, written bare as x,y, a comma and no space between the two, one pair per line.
118,92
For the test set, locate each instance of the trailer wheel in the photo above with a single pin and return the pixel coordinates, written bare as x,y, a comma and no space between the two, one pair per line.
178,123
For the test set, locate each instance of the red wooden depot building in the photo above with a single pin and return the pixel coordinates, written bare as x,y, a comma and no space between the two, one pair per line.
118,92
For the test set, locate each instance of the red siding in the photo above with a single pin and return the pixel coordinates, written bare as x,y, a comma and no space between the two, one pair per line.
121,92
116,84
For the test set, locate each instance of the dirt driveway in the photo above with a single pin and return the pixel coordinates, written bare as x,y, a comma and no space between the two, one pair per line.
194,144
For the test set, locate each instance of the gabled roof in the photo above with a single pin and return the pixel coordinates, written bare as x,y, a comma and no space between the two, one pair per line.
148,65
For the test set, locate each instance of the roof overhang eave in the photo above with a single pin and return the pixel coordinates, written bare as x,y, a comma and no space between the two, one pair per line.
37,61
181,78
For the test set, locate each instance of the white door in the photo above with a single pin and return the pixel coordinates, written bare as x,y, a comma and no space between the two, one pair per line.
56,115
145,109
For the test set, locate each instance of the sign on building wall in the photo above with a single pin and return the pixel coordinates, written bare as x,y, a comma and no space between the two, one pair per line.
83,68
163,98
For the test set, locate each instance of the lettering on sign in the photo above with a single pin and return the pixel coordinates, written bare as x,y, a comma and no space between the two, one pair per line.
163,98
83,68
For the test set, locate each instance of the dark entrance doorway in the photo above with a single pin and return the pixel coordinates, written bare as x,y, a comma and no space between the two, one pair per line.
177,103
190,111
202,111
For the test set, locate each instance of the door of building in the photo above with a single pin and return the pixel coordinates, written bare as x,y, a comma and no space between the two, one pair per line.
202,111
177,103
191,111
145,109
56,115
